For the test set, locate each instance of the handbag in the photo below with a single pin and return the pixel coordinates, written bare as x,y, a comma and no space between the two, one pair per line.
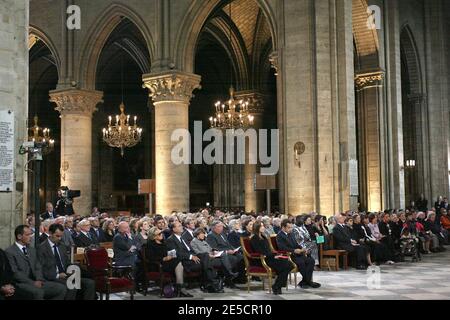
169,291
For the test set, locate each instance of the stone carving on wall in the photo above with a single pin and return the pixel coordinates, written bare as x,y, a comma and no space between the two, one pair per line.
369,80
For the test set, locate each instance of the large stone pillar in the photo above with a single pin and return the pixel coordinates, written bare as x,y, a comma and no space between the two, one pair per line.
76,108
171,93
437,99
14,97
370,103
253,200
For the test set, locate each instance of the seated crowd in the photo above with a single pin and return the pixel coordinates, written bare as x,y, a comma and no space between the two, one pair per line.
211,246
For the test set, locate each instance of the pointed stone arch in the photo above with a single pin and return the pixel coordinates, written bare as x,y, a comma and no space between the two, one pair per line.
192,25
98,36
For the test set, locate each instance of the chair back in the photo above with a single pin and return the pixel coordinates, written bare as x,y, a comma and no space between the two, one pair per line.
96,259
273,243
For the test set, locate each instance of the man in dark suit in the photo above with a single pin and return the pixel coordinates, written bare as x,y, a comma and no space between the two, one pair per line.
189,227
305,263
96,231
125,249
7,289
55,261
191,262
217,241
27,270
49,212
85,238
344,241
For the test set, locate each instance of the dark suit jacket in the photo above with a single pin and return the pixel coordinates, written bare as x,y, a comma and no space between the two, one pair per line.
82,241
286,242
218,242
48,260
46,215
182,252
122,254
6,274
43,237
187,236
342,238
26,269
100,236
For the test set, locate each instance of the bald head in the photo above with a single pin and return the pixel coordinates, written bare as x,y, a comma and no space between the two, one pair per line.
124,227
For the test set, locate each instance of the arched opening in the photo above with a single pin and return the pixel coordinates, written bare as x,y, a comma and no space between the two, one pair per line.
43,77
244,64
123,60
412,104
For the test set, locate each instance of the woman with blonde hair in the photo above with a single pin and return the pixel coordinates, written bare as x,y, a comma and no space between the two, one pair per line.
109,230
142,236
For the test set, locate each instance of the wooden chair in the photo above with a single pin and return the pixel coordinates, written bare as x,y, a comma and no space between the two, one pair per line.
255,264
274,246
333,255
102,270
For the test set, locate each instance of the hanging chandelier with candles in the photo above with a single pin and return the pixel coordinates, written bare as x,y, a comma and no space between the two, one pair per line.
232,114
122,134
41,136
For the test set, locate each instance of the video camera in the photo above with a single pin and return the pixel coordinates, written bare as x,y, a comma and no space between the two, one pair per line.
66,193
64,205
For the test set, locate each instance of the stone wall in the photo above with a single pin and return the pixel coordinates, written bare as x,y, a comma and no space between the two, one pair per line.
14,97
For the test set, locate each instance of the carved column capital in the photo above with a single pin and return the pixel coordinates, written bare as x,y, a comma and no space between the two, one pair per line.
76,101
370,79
173,86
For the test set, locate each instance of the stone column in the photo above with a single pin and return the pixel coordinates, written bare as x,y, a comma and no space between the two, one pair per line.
14,97
171,93
369,93
437,99
76,108
253,200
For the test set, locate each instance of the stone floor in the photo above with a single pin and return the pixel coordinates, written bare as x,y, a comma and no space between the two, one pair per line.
425,280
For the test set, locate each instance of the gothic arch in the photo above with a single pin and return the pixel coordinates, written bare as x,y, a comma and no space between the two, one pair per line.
410,54
36,33
218,29
99,34
192,25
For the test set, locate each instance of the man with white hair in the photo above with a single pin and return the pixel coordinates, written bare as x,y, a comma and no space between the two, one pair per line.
85,238
124,245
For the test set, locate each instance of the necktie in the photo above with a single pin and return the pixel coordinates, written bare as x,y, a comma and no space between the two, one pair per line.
59,264
25,252
185,244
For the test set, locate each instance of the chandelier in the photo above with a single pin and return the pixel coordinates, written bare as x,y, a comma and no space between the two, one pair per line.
122,134
41,136
232,114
